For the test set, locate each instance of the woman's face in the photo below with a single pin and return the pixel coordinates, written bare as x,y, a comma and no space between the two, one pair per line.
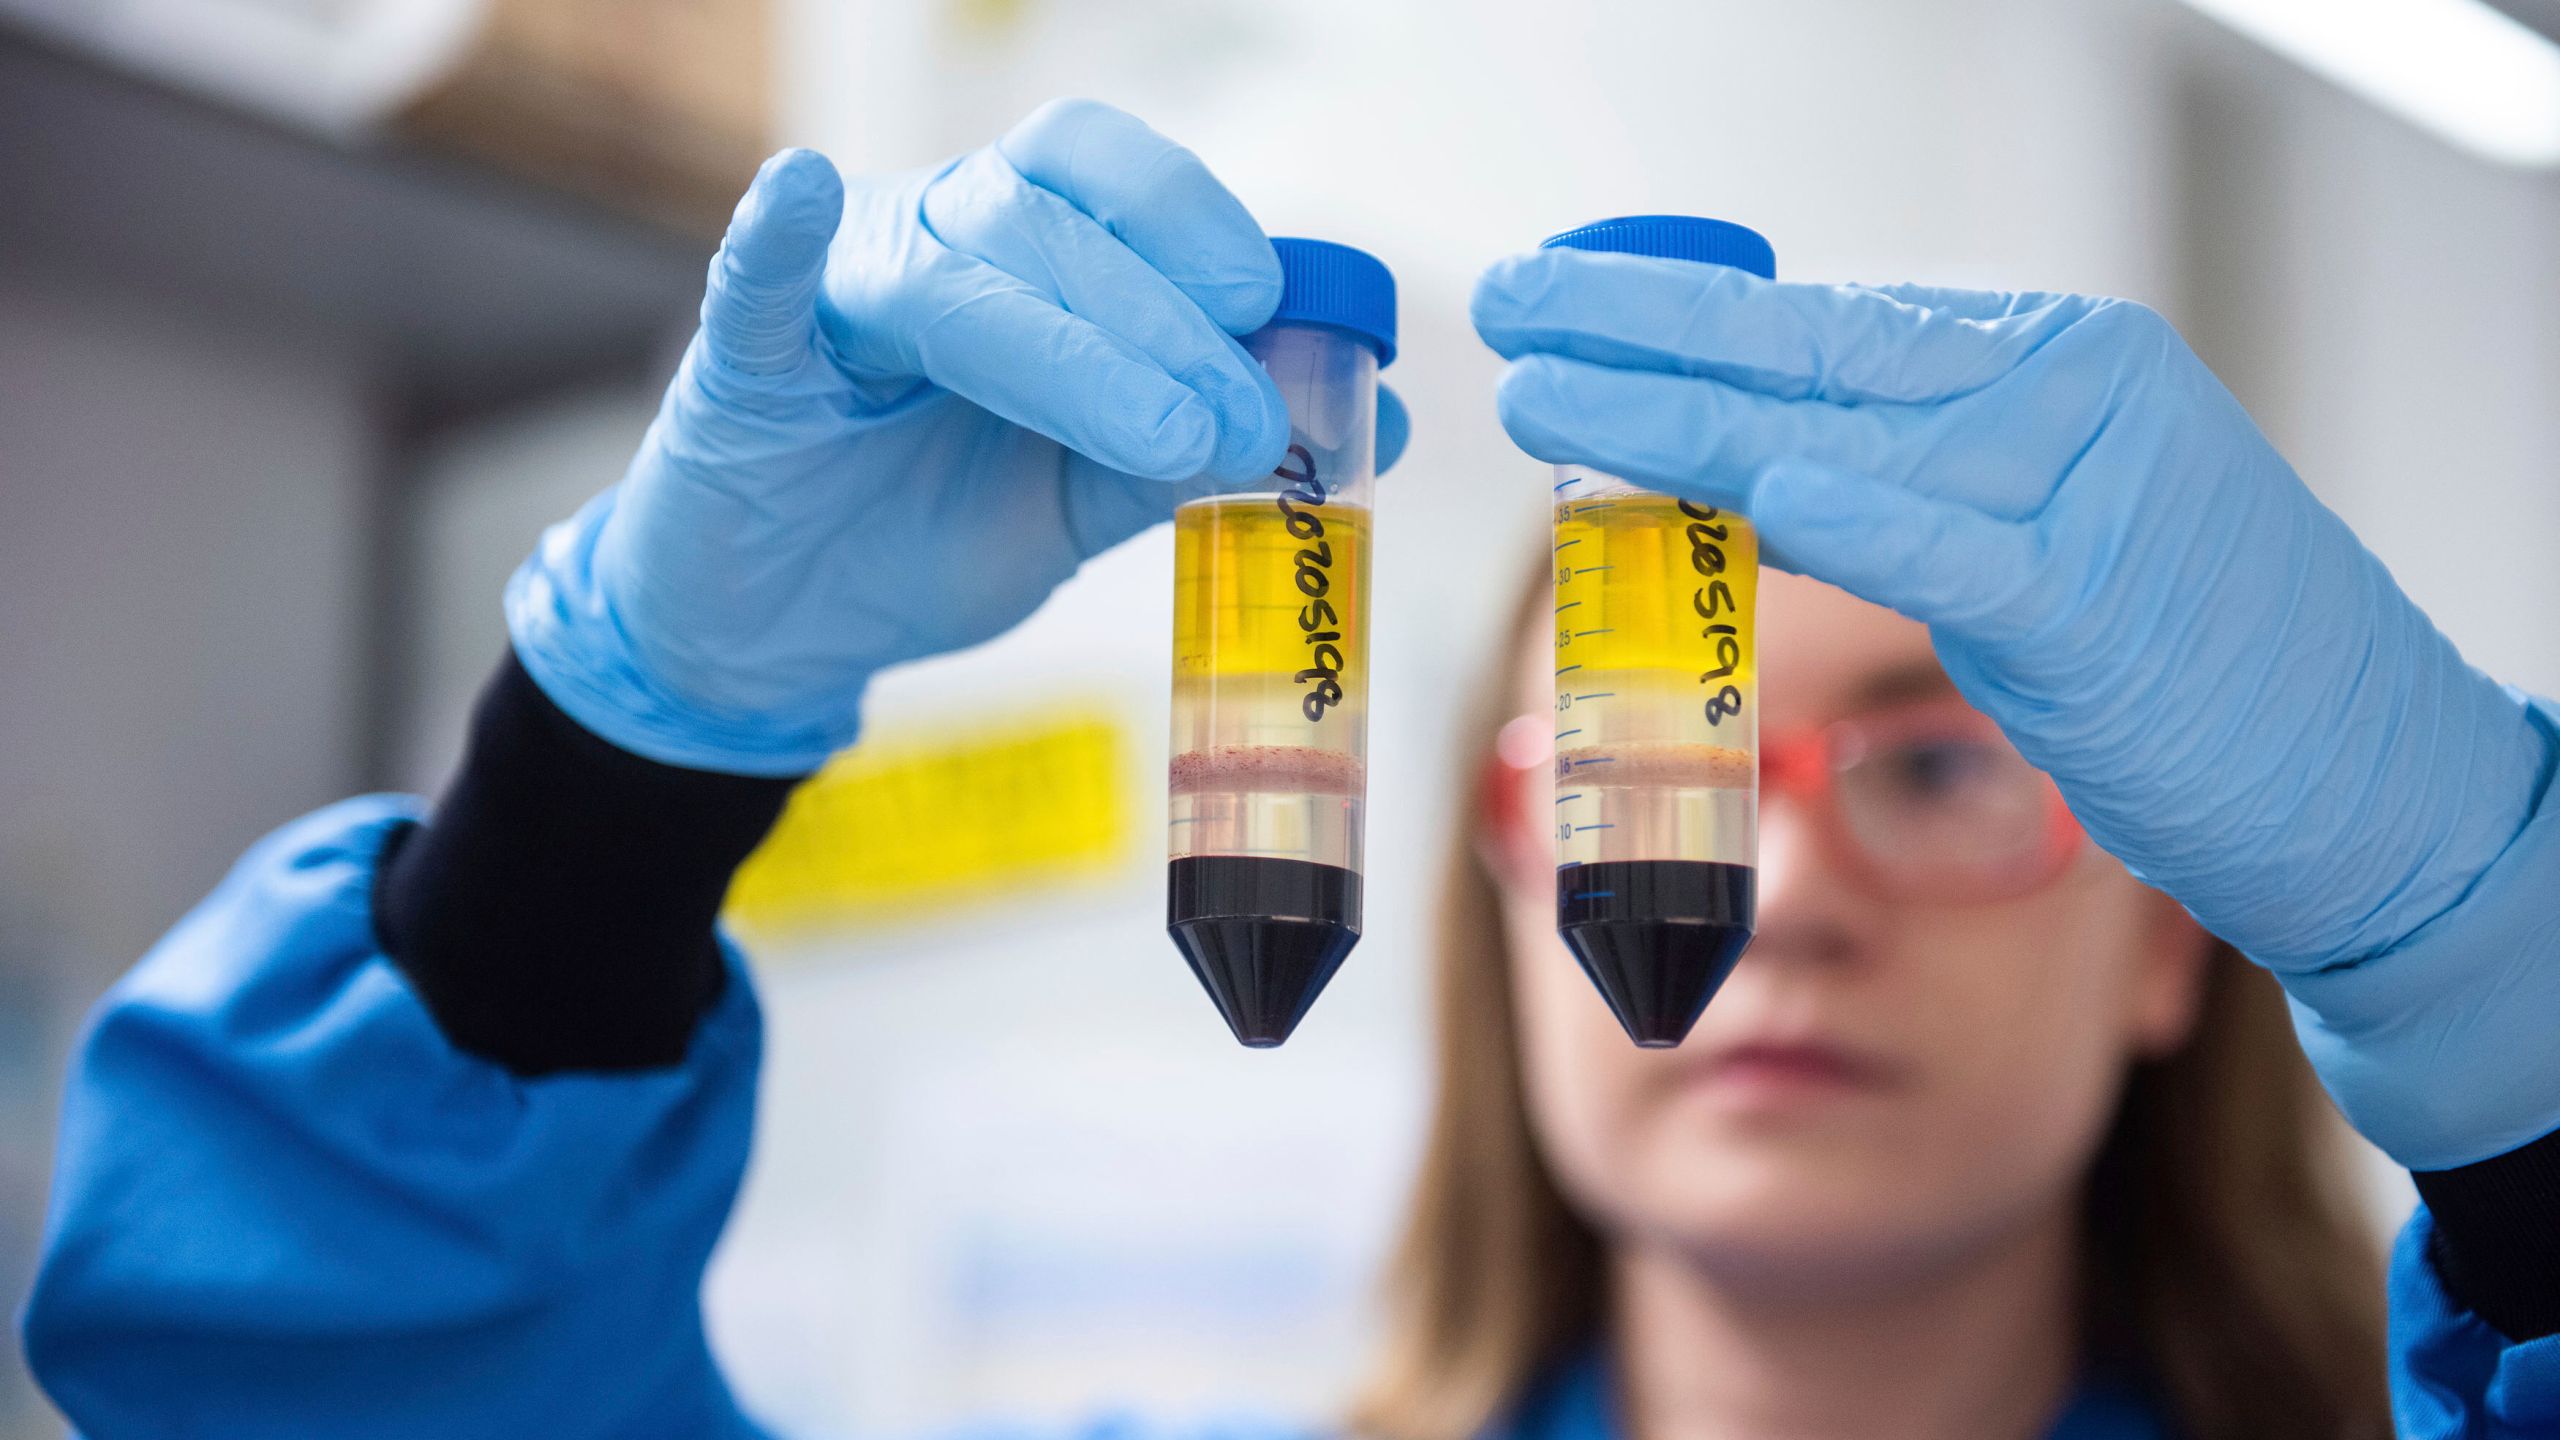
1885,1083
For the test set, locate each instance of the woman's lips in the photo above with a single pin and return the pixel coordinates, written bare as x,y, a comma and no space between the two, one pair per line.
1779,1071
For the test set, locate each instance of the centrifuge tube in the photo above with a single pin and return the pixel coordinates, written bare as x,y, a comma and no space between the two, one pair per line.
1657,709
1271,665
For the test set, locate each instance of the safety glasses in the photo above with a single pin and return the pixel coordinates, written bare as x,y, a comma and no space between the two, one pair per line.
1924,802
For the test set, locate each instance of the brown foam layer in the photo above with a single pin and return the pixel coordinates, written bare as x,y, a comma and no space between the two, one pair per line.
1695,767
1284,769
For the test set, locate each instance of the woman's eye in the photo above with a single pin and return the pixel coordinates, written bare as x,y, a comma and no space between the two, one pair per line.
1933,771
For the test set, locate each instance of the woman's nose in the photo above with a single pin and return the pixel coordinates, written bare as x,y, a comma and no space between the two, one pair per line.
1790,861
1804,905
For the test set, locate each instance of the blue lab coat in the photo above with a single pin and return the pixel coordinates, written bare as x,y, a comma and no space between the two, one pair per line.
286,1206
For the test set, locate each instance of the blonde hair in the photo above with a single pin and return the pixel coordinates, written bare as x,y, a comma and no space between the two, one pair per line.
2226,1261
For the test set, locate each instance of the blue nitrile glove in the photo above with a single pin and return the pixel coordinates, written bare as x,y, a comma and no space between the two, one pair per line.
1006,366
2230,690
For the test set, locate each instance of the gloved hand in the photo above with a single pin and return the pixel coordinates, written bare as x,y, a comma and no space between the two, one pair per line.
2231,692
1006,366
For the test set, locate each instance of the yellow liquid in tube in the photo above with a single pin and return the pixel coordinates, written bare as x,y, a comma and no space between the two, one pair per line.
1657,684
1270,679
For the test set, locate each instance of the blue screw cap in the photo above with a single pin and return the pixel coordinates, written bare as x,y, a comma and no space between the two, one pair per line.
1340,288
1675,237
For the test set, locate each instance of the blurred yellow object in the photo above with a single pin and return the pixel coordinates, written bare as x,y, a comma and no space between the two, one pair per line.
989,19
934,817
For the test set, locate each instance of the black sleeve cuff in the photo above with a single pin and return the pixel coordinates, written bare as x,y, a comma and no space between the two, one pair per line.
2497,1237
555,912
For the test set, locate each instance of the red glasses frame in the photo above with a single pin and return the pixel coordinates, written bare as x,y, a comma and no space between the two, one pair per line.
1803,764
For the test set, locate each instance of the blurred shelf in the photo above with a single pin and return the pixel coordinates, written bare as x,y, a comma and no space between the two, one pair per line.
468,287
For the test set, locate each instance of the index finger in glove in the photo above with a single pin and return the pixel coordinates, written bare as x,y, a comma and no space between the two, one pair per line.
987,210
986,336
1844,344
1159,199
1685,434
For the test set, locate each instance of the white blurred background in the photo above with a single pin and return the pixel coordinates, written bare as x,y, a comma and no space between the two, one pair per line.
256,501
